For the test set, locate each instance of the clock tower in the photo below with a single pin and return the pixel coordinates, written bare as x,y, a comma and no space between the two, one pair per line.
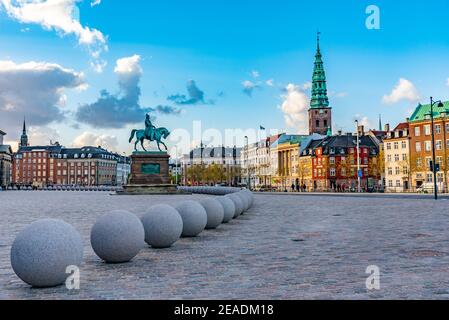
320,114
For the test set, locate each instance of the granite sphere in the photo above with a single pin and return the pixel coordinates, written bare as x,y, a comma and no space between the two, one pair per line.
244,199
250,196
215,212
229,208
163,226
117,237
238,203
42,252
194,218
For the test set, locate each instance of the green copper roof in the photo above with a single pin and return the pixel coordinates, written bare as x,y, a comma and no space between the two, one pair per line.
319,89
422,111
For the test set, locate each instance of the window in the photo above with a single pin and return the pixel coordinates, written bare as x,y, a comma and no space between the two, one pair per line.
418,147
333,172
427,130
390,171
388,146
317,123
439,145
429,178
390,183
396,157
343,172
439,161
389,158
332,160
438,129
417,131
418,162
404,157
398,183
428,146
404,145
325,123
396,146
398,171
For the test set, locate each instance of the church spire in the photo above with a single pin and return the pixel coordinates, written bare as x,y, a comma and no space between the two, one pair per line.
319,88
24,137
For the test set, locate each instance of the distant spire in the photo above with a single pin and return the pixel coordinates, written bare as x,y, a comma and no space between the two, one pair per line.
380,122
319,89
24,131
329,132
24,137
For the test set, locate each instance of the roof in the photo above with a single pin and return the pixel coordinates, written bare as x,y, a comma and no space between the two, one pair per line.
422,111
2,133
290,139
339,144
215,152
402,126
5,149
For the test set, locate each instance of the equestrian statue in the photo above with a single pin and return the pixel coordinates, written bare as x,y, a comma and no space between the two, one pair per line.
150,133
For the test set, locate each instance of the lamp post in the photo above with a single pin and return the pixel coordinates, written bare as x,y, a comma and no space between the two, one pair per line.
434,165
176,165
359,178
247,162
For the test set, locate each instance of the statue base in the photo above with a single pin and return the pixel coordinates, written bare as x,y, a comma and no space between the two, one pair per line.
149,175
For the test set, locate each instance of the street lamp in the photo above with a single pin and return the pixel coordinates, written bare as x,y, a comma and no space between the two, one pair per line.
434,165
359,178
176,165
247,162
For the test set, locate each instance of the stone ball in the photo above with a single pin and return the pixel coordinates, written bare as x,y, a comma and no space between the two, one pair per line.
41,253
117,237
250,195
229,208
215,212
194,218
163,226
237,203
244,199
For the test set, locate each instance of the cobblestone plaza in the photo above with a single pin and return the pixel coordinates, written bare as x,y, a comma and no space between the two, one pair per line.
285,247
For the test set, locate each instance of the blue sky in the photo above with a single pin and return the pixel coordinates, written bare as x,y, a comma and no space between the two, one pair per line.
220,45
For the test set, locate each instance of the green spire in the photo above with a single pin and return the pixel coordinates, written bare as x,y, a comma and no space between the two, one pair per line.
329,132
319,89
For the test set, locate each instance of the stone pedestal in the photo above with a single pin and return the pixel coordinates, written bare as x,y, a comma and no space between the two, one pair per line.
149,174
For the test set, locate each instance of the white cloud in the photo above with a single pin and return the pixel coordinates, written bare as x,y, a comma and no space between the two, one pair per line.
307,86
91,139
364,121
128,65
95,3
404,90
295,108
270,82
59,15
249,86
35,90
42,136
255,74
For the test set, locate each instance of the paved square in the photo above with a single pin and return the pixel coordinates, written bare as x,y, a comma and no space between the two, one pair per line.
285,247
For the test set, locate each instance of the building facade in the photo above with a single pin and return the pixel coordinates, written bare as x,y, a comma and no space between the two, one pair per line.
211,165
397,159
320,114
421,148
334,163
41,166
5,162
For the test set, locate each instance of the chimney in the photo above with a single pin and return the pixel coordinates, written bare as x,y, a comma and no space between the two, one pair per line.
361,130
387,127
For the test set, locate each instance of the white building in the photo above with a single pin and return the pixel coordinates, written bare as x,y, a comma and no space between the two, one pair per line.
228,159
123,170
397,159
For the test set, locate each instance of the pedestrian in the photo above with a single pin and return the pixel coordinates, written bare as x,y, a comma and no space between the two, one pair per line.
297,188
293,187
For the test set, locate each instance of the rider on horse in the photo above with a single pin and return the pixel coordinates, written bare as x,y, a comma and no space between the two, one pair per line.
149,127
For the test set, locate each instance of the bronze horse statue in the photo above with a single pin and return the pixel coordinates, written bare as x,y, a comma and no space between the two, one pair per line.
150,134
